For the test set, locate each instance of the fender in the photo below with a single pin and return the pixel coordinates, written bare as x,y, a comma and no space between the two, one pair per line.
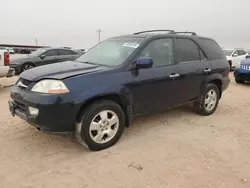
215,77
119,93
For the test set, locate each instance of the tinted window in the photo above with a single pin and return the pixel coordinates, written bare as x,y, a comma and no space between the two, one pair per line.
51,53
211,49
66,52
161,51
187,50
241,52
236,52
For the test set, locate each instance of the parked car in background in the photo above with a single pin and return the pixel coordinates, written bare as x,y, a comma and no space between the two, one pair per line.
8,49
235,56
242,74
97,95
5,70
42,56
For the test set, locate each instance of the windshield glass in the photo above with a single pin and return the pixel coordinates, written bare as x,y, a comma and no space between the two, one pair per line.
111,52
38,52
228,52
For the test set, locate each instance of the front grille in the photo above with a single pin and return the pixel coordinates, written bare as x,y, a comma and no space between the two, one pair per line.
246,67
19,105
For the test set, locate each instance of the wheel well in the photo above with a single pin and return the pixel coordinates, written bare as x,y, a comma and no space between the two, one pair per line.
28,63
218,83
112,97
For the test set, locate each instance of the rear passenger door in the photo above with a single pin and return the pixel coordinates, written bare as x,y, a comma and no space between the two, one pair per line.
194,68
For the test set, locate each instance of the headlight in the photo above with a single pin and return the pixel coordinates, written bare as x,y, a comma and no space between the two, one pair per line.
50,86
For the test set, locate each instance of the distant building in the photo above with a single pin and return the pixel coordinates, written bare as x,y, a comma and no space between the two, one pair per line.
23,49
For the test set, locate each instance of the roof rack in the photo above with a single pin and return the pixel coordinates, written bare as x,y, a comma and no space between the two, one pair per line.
150,31
186,32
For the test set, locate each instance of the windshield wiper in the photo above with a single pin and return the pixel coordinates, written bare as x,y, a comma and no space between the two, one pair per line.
87,62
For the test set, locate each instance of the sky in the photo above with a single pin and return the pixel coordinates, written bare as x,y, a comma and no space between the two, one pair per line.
74,23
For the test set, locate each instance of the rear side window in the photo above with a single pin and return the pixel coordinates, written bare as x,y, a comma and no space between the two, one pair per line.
187,50
66,52
241,52
212,49
51,53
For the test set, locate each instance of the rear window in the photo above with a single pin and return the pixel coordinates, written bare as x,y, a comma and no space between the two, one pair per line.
212,49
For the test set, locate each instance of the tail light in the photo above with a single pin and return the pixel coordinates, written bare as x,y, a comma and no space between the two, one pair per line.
6,59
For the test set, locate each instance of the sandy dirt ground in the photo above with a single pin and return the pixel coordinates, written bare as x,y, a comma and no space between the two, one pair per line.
175,149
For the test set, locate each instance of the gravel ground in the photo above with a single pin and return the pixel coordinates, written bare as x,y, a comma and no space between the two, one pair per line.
175,149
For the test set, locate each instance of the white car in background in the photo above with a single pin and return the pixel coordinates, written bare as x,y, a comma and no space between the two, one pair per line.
235,56
5,70
10,50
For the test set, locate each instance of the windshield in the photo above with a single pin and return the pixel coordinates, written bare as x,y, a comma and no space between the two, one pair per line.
38,52
111,52
228,52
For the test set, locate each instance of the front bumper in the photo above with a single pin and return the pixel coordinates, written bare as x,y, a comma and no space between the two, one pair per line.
56,112
11,72
242,74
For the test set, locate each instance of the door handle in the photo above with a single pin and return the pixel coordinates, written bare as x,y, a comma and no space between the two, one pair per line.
174,75
207,70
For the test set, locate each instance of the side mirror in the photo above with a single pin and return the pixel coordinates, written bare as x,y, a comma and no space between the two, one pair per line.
235,55
42,56
143,63
247,56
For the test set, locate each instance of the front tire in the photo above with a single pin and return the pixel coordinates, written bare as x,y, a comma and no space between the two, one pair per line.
239,81
101,125
208,101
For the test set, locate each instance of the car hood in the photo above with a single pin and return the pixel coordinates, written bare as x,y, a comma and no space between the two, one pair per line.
60,70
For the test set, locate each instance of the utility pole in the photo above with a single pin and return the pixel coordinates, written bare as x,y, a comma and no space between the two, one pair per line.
99,35
36,40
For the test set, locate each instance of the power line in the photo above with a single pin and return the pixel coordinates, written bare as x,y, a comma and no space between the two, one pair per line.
99,35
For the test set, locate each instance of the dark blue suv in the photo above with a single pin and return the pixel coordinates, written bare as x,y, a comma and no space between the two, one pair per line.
242,74
97,95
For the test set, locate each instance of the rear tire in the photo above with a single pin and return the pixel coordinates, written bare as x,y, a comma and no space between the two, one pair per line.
208,101
27,66
101,125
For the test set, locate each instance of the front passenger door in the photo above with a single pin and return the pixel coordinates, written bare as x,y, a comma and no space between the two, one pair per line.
155,88
236,58
50,56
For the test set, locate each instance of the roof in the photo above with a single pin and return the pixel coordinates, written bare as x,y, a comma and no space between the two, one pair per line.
151,33
231,49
